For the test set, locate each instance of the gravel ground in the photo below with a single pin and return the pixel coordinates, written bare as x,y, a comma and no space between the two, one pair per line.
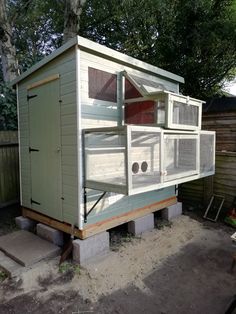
179,268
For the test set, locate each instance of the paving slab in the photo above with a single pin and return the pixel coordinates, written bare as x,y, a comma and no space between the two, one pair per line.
9,266
26,248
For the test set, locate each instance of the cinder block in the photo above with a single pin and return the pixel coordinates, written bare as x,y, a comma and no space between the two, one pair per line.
25,223
141,225
172,211
50,234
85,249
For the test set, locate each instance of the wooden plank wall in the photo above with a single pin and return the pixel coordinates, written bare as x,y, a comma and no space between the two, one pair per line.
224,182
65,66
9,168
100,113
224,123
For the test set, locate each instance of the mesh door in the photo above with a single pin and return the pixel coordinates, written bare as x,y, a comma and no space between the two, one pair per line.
145,158
105,157
185,114
207,152
180,156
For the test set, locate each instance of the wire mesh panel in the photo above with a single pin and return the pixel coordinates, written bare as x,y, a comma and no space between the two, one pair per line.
136,159
180,156
185,114
145,158
207,152
105,158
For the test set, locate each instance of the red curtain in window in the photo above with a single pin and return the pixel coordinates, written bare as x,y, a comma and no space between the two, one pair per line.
140,112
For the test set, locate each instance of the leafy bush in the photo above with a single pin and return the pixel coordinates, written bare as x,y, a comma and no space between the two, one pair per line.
8,108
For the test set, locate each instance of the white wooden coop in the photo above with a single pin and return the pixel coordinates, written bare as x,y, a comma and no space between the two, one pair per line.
104,138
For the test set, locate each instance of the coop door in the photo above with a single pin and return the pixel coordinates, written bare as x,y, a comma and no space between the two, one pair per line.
45,149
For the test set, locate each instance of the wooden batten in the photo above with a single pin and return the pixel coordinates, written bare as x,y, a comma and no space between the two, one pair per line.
119,220
100,226
44,81
29,213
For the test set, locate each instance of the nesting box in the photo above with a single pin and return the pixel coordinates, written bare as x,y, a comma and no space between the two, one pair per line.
104,138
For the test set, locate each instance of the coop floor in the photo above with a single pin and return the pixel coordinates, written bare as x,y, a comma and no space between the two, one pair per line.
180,268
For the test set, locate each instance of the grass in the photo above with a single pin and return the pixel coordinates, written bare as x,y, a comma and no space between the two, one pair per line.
3,276
67,267
161,223
118,239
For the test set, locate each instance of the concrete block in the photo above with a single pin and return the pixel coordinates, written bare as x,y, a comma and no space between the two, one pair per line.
25,223
141,225
50,234
85,249
172,211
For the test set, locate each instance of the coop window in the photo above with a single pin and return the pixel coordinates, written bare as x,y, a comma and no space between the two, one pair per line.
102,85
136,86
141,112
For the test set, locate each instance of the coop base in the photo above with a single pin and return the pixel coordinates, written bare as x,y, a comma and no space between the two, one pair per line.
99,226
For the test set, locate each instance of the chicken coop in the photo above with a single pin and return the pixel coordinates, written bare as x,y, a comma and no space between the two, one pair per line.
104,138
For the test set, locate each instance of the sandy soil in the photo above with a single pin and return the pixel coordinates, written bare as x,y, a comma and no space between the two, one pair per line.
182,268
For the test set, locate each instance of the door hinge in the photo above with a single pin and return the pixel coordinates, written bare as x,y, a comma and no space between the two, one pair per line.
33,150
34,202
31,96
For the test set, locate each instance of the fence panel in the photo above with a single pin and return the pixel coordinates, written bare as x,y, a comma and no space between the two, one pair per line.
9,168
224,182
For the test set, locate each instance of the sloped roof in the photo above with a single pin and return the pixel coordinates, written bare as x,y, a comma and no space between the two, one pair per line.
88,45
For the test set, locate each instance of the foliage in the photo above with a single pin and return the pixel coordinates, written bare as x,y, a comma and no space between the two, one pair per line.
37,31
69,267
38,27
8,109
195,39
3,276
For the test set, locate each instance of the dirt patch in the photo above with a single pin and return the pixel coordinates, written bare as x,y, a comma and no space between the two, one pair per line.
179,268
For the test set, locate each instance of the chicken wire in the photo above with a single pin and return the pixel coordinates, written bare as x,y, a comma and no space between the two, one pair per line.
180,156
207,152
145,158
105,157
185,114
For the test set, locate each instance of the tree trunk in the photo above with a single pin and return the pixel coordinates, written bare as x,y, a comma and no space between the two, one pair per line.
73,10
7,49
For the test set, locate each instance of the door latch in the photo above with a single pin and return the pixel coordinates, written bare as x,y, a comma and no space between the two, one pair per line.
34,202
33,150
31,96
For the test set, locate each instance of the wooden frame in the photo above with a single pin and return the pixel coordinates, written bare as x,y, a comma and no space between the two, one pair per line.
177,178
208,173
188,102
170,98
218,210
44,81
104,225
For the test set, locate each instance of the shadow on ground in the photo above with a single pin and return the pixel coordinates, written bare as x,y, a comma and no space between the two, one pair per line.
194,281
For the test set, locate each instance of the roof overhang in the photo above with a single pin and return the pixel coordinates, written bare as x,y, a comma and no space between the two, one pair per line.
90,46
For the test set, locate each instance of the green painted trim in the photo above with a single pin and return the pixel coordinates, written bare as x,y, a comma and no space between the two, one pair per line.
129,203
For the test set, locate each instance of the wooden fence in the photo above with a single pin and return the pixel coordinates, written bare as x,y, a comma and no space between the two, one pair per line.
9,168
222,183
224,123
